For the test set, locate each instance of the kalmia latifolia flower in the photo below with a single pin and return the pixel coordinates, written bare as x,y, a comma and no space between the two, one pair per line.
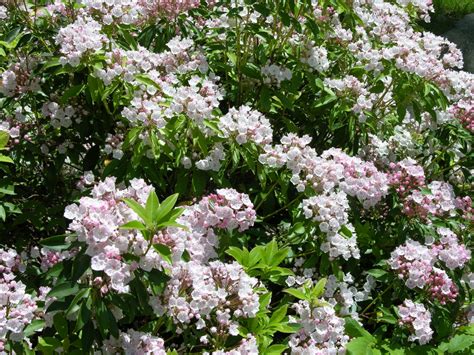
331,212
213,160
326,172
17,307
275,75
246,125
136,343
415,263
417,319
361,178
247,346
79,39
439,201
48,258
3,12
60,116
406,176
211,297
464,112
322,331
315,57
19,79
226,209
96,221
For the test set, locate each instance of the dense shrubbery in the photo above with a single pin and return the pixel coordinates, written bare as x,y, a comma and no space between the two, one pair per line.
233,177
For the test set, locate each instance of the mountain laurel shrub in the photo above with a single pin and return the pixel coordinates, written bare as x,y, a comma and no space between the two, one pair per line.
233,177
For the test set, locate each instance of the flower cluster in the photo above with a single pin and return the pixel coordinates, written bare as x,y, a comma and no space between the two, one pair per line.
210,296
115,11
3,12
168,9
113,145
361,178
417,318
275,75
448,250
352,86
345,293
333,169
59,116
79,39
246,125
440,201
322,331
212,161
48,258
152,106
96,221
226,209
464,112
18,79
134,342
406,176
17,306
342,243
329,210
415,263
247,346
197,101
315,57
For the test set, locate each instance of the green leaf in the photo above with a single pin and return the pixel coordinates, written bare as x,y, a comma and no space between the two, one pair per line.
71,92
255,255
37,324
5,159
377,273
346,232
265,300
152,205
48,344
63,290
275,349
164,251
60,323
251,70
83,293
359,346
79,266
146,80
87,337
279,314
83,316
296,293
133,225
139,210
288,327
166,207
4,137
199,182
355,330
3,214
7,190
318,289
237,254
106,320
425,191
57,242
14,42
460,342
